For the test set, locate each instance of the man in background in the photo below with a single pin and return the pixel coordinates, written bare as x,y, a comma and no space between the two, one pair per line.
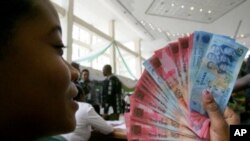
89,89
111,94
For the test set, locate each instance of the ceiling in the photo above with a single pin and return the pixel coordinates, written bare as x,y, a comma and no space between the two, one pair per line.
205,11
160,21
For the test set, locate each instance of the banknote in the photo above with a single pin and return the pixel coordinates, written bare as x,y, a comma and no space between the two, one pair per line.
185,47
176,55
169,57
141,96
147,81
165,67
139,130
194,124
218,72
148,84
152,66
146,99
145,115
199,124
160,82
127,117
167,101
201,41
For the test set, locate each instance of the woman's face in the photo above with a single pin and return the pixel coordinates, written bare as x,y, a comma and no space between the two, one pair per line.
36,87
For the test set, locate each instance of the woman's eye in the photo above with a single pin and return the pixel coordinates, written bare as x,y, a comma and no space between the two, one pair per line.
59,48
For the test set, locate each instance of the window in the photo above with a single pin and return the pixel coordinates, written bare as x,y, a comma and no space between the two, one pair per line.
130,61
79,52
84,36
96,40
81,34
99,62
130,45
86,42
105,57
76,32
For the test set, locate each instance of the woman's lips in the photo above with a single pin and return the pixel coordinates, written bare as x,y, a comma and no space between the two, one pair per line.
73,94
74,104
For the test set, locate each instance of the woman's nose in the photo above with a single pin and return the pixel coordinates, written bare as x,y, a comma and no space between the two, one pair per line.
75,74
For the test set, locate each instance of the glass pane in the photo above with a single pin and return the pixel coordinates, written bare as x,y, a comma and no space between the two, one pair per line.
96,40
100,62
81,34
130,61
80,52
130,45
76,32
87,11
104,58
84,36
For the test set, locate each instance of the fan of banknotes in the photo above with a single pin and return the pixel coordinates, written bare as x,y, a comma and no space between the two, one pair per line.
166,104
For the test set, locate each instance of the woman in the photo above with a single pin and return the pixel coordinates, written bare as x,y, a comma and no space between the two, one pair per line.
36,83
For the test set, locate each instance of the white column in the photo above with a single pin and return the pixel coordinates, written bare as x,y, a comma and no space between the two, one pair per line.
113,52
139,59
69,18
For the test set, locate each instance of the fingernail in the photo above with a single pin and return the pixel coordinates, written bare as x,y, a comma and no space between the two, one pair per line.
207,94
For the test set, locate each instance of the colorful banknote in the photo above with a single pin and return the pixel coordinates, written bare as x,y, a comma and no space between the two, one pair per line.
145,115
218,72
153,66
166,68
139,130
176,56
185,47
130,136
143,97
167,102
148,84
152,103
200,44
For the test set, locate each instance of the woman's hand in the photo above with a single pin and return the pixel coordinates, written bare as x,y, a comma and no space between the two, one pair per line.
219,127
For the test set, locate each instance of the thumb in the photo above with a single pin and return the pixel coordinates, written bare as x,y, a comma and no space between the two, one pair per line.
212,109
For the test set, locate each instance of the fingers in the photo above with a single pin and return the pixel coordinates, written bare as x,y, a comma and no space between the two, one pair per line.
218,127
212,109
231,117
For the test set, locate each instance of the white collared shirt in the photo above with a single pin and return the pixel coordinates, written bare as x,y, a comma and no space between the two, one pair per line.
86,119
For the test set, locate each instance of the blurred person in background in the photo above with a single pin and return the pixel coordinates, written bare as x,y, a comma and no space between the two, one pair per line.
89,89
87,120
111,94
77,81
